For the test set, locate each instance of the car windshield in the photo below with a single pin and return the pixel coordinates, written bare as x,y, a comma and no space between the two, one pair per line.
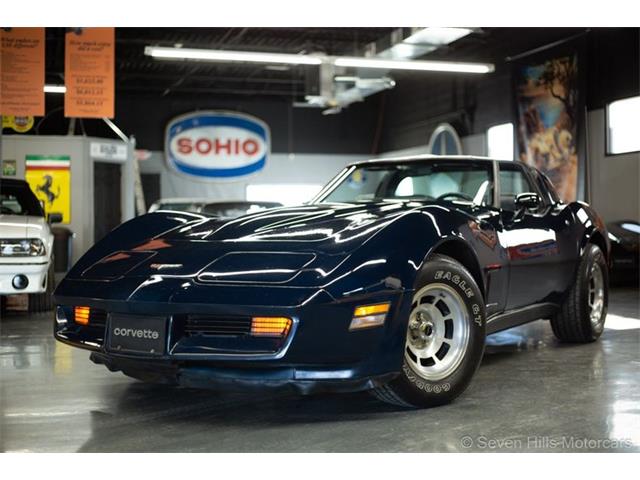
453,180
18,199
179,207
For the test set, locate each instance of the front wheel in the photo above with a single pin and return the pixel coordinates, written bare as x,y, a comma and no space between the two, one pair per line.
445,337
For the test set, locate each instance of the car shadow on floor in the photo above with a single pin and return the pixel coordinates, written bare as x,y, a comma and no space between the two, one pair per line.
144,408
137,409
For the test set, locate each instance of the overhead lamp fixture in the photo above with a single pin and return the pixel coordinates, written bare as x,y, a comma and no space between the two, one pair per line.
419,65
167,53
230,56
55,89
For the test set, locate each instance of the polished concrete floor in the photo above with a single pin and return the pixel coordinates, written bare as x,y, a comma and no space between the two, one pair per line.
530,394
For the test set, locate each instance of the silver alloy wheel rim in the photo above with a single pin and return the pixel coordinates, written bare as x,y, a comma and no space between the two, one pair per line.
596,297
438,332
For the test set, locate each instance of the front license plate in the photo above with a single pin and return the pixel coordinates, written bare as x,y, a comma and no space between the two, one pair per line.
137,334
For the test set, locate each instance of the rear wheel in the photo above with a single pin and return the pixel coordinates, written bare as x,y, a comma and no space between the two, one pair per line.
445,337
582,315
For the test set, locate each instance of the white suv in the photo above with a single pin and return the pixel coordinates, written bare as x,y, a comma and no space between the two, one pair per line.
26,244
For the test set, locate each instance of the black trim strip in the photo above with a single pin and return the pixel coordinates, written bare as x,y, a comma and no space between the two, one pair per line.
520,316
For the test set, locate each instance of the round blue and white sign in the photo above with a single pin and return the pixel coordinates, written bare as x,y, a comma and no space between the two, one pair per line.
217,145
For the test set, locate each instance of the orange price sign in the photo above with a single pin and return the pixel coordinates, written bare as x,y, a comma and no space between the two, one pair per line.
89,62
22,72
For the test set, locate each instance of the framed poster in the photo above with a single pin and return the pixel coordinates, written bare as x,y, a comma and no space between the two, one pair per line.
550,116
9,168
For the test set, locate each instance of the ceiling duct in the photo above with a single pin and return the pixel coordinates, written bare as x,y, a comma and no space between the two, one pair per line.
409,43
339,91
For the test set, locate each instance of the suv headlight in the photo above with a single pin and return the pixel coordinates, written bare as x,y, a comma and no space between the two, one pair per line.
22,247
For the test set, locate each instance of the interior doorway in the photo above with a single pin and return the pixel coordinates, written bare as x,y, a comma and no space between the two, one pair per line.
107,201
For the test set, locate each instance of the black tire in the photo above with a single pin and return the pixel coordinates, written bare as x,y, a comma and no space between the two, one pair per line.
572,324
411,388
43,302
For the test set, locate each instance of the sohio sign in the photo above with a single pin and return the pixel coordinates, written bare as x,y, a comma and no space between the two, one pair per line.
217,145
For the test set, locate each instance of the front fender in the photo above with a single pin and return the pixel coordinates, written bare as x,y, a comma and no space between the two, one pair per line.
390,260
131,234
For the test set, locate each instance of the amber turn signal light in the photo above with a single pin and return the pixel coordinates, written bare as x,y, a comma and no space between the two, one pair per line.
270,326
81,315
367,316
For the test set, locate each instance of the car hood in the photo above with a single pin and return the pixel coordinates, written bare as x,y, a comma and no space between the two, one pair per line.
337,227
277,244
21,226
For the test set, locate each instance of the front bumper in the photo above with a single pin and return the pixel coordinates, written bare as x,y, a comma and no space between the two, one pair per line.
36,273
319,354
304,380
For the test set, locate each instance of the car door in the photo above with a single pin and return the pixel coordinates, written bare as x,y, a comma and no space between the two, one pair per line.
533,239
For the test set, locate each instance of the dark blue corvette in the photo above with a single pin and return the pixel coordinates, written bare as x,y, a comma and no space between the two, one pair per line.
387,281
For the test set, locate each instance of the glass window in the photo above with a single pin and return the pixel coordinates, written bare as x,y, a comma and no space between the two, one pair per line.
445,141
623,118
458,181
513,182
546,187
286,194
18,200
500,142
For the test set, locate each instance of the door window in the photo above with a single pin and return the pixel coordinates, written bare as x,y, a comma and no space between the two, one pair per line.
513,182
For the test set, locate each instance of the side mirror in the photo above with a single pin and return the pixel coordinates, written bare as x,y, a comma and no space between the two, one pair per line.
528,200
54,218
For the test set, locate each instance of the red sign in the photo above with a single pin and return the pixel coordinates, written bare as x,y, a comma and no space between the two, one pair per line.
89,63
22,72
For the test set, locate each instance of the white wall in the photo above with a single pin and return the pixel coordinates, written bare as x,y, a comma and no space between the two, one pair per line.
281,168
16,147
614,181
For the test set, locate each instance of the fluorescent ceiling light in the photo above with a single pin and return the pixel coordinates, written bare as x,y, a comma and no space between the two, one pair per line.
230,56
55,89
437,35
291,59
421,65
